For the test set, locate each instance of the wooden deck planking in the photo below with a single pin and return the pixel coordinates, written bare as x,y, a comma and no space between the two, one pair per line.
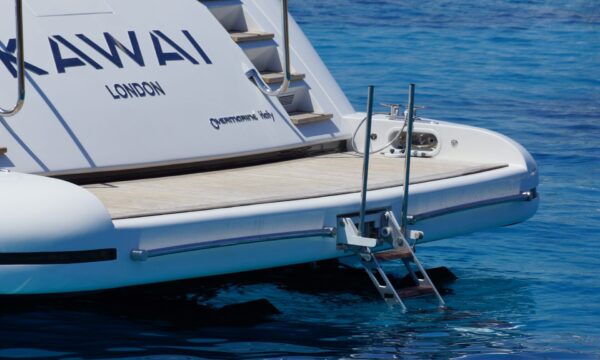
324,175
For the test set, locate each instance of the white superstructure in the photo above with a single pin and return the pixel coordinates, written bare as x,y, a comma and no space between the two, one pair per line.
161,83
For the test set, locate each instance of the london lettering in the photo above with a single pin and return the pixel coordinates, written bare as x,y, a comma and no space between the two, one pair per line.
135,90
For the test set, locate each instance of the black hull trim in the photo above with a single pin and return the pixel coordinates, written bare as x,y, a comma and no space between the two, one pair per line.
56,258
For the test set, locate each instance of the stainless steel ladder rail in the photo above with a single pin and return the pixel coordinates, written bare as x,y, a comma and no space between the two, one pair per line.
369,262
403,226
357,240
378,277
366,158
20,63
407,157
255,76
404,244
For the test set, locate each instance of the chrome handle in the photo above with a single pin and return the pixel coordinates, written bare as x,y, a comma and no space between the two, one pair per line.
20,63
254,75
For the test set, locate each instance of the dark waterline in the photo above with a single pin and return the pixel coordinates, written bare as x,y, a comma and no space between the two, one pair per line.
530,70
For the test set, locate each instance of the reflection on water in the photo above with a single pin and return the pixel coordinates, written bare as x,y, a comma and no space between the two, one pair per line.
189,318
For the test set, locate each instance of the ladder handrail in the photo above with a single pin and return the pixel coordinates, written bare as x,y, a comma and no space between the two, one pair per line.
407,156
404,240
20,63
366,156
254,75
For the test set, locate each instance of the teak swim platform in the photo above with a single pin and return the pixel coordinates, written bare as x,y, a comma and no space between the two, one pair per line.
306,178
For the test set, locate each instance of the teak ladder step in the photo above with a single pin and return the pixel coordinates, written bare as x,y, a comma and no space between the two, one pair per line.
416,291
272,77
361,246
394,254
240,37
300,118
3,150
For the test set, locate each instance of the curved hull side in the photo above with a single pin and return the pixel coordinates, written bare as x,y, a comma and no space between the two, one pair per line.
261,220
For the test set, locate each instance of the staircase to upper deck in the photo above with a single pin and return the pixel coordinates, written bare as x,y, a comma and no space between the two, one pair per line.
263,50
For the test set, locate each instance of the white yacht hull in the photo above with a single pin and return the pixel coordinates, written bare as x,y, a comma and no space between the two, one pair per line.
231,240
122,88
219,260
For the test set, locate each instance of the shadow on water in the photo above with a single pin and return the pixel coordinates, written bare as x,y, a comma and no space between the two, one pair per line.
323,311
183,304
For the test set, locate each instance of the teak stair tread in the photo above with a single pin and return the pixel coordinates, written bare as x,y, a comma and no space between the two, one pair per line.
273,77
240,37
394,254
415,291
300,118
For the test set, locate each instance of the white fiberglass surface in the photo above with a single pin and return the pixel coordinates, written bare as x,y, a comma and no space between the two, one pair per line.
134,88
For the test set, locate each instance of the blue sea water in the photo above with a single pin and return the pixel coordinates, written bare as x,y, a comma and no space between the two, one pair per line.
528,69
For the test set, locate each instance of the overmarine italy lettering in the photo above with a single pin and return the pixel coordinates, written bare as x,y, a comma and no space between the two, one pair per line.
219,122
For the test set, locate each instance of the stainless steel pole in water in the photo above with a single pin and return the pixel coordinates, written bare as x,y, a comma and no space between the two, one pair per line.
407,155
363,203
